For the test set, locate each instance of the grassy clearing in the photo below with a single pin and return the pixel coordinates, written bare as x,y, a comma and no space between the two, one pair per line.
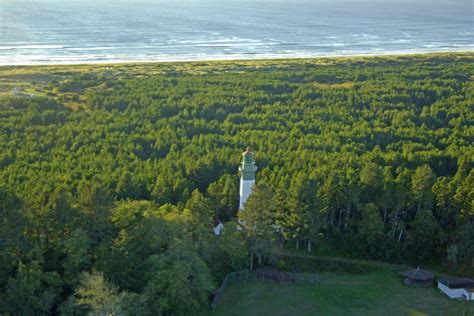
376,293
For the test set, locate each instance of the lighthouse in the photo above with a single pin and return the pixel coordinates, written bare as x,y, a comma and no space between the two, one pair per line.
247,176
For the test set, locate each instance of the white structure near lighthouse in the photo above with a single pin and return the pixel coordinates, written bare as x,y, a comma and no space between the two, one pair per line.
247,176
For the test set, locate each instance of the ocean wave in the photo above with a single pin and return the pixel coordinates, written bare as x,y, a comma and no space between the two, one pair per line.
233,39
92,48
434,45
286,54
330,44
243,45
32,47
365,35
401,41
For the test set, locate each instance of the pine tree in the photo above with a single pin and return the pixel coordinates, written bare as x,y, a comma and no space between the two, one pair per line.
257,221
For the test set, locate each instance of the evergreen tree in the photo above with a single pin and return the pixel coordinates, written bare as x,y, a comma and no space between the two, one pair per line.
257,221
422,182
99,295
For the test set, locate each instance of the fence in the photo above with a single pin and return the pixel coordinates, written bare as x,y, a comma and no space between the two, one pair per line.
262,275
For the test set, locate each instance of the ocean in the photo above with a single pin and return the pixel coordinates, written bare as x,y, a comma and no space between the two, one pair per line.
87,31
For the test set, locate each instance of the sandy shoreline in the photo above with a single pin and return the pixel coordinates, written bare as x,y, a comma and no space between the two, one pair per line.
231,58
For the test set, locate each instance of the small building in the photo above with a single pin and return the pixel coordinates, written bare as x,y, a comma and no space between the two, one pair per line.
418,277
459,288
218,229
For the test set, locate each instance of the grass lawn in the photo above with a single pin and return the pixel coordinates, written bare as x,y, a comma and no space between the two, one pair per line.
375,293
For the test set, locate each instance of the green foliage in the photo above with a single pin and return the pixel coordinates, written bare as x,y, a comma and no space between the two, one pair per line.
228,252
32,291
466,246
422,182
422,238
101,297
370,227
256,221
224,196
95,203
78,257
12,225
317,264
115,168
179,280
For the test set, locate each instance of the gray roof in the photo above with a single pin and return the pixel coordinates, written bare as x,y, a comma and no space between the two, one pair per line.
418,274
457,283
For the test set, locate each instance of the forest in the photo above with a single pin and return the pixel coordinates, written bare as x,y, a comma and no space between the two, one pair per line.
113,176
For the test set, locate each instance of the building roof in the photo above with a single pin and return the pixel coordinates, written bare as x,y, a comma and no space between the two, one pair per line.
418,274
457,283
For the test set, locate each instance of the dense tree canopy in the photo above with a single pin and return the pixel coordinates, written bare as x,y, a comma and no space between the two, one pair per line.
111,177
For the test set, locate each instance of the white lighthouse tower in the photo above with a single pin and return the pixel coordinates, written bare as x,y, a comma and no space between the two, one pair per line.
247,176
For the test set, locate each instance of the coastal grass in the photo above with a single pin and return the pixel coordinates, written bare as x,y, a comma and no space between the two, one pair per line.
380,292
42,80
